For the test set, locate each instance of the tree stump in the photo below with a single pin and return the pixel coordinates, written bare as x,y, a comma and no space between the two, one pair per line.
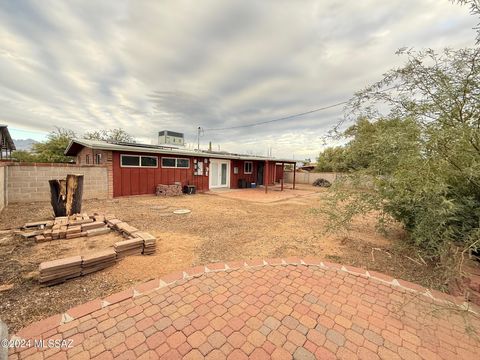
66,195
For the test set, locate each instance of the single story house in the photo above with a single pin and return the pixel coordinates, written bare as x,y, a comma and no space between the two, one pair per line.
136,169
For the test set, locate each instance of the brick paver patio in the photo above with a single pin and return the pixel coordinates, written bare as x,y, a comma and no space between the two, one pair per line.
279,309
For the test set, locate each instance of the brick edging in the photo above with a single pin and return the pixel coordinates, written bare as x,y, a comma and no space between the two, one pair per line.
42,326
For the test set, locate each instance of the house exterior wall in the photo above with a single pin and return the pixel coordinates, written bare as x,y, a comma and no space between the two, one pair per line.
250,178
106,159
271,173
81,158
126,181
28,182
279,172
139,181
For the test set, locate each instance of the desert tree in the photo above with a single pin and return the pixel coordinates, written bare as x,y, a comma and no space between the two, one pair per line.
417,131
115,135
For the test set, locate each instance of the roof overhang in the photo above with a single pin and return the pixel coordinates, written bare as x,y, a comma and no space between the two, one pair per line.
76,145
10,145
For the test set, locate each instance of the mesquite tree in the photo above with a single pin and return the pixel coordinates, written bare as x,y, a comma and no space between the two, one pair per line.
422,145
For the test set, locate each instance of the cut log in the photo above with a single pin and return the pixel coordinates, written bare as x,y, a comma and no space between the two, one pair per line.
66,195
58,196
74,194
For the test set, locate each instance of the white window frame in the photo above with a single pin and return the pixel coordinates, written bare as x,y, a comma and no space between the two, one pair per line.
176,163
244,166
98,159
139,161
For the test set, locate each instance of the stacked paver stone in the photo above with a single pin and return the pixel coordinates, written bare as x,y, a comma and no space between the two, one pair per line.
125,229
65,227
129,247
98,261
57,271
149,242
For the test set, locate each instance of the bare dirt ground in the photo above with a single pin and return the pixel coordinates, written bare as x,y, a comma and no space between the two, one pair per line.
219,228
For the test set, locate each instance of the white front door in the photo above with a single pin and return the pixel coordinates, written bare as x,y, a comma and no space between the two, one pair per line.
219,173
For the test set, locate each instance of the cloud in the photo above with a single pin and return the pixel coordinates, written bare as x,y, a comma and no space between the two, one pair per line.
146,66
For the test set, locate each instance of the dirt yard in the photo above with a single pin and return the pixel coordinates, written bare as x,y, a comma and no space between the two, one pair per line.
222,226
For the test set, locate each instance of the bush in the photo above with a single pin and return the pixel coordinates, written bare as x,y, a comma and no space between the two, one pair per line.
423,153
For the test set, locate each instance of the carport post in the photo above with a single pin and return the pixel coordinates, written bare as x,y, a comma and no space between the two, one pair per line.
266,176
283,175
294,171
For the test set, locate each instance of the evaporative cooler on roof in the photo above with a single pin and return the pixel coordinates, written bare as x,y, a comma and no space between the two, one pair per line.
166,137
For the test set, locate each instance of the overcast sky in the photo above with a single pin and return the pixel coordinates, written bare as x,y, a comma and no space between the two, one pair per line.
146,66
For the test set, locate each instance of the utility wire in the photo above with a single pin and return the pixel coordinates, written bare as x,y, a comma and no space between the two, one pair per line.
291,116
280,119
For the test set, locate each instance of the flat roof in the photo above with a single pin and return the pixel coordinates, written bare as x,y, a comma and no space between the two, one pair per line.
76,145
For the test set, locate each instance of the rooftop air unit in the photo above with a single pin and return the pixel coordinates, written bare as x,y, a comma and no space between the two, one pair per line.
166,137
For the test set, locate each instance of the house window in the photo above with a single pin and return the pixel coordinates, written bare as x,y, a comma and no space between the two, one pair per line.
175,163
247,167
98,158
183,163
138,161
87,159
169,162
149,161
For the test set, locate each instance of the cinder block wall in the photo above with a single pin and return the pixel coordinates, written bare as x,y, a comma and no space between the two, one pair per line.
309,178
3,198
29,182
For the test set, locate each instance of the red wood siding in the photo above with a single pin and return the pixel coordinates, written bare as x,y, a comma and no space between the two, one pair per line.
271,173
140,181
278,173
241,174
249,177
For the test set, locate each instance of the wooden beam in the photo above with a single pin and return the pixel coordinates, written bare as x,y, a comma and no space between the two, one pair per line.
283,175
294,171
266,176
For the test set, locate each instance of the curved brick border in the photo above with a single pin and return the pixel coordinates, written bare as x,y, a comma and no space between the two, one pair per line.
43,327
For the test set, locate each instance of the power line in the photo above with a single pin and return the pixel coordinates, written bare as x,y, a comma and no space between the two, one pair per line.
292,116
279,119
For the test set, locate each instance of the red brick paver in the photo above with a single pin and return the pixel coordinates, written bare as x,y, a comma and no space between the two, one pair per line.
261,309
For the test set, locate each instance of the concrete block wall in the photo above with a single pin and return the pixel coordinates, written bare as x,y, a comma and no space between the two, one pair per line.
29,182
309,178
106,159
